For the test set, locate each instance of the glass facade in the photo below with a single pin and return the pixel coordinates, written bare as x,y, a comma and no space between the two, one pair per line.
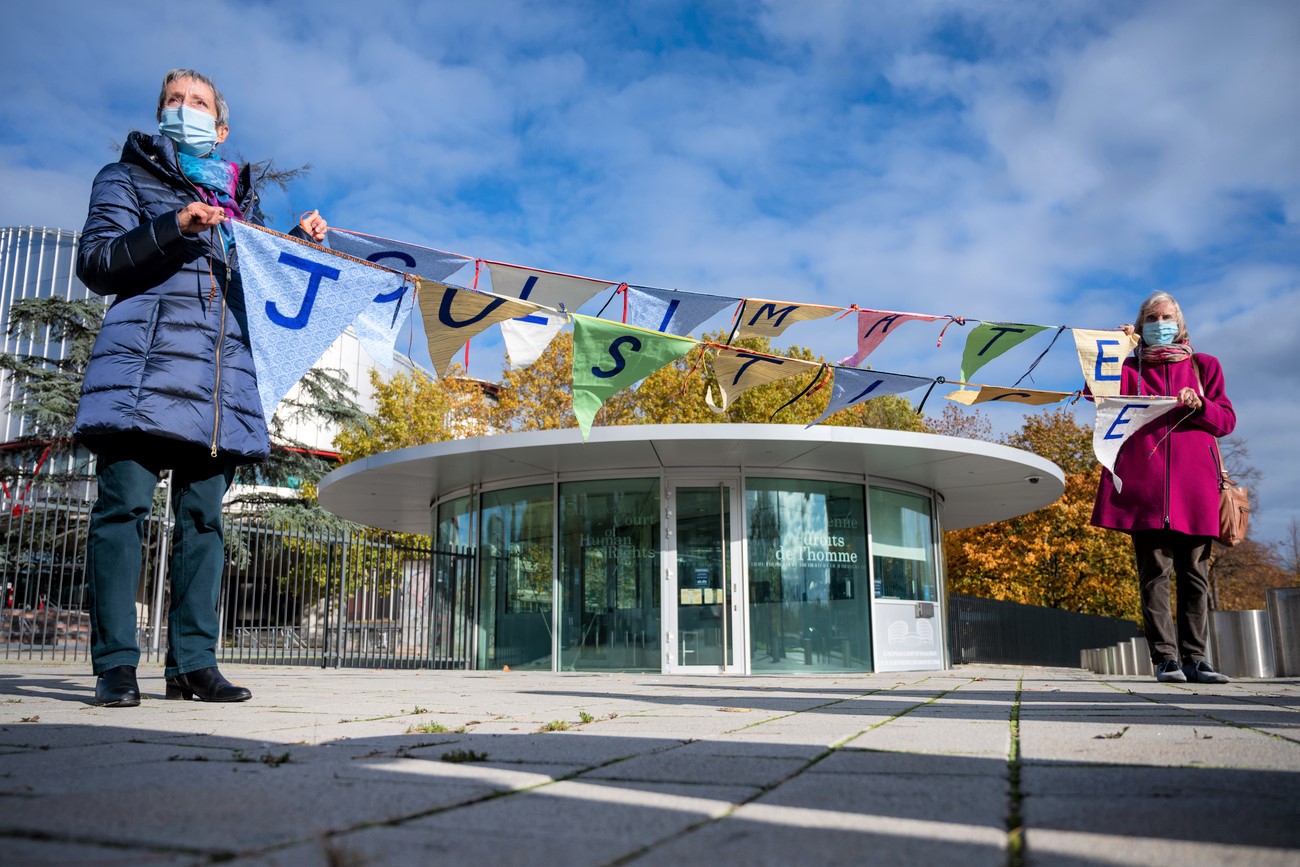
808,609
516,576
567,576
902,546
609,575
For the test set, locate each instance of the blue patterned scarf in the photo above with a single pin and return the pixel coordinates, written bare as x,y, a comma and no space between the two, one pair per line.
218,183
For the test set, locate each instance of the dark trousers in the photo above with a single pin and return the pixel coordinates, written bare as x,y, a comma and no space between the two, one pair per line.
1161,553
128,473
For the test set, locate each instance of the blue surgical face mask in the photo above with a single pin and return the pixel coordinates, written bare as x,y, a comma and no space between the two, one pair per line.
1160,333
194,131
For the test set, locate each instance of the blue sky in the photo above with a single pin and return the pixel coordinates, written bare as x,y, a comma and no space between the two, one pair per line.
1011,161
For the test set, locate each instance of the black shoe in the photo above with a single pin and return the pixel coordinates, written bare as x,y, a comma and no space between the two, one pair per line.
1202,672
1166,672
117,688
206,684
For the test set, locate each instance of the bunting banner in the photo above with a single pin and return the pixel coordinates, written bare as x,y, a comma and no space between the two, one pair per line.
989,340
1101,355
738,370
453,315
671,311
760,318
853,386
551,289
609,357
526,339
989,393
1118,418
299,297
381,320
874,326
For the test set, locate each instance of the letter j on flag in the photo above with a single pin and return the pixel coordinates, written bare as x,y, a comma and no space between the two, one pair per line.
609,357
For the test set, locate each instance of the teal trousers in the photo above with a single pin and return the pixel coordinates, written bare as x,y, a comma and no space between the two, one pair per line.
128,472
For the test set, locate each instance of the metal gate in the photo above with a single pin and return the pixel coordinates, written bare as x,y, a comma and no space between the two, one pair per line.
345,596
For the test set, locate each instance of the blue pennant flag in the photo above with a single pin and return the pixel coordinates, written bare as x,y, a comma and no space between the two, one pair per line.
853,386
381,320
299,298
671,311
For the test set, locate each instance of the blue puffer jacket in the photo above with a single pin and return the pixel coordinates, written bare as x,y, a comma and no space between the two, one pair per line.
172,358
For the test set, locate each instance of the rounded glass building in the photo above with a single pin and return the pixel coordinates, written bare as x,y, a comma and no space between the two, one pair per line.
724,548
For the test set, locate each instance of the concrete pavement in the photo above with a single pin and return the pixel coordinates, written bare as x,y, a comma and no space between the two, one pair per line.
978,765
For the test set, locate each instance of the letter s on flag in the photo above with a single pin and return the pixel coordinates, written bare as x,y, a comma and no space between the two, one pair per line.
619,361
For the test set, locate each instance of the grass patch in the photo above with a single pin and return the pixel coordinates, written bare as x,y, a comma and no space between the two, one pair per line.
464,756
585,717
555,725
432,727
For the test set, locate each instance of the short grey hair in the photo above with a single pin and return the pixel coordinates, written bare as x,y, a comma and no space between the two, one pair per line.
1156,298
223,110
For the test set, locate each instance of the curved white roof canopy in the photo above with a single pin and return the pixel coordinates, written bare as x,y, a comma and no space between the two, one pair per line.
980,482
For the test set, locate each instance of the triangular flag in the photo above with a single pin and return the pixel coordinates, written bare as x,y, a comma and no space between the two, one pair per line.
1118,418
1101,355
453,315
987,393
760,318
608,357
874,326
852,386
381,320
299,298
527,338
738,370
672,311
991,339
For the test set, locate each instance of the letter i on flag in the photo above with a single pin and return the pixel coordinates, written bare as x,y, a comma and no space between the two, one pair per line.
1118,418
299,298
853,386
609,357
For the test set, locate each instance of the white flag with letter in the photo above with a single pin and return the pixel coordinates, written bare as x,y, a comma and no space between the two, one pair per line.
1118,418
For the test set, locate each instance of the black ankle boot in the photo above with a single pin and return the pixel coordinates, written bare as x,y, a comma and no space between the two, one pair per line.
206,684
117,688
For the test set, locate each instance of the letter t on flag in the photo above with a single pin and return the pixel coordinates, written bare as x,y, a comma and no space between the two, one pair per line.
609,357
1118,418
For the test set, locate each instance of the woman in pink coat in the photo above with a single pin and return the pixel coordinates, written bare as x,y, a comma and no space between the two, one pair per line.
1170,503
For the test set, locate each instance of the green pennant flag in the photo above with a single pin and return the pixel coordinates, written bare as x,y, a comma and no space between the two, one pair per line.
609,357
991,339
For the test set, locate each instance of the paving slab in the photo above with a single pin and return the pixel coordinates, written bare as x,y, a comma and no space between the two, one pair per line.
367,766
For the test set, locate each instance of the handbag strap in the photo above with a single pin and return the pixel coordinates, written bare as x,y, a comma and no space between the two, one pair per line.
1218,456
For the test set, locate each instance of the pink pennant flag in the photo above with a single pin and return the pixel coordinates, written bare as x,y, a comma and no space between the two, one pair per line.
874,326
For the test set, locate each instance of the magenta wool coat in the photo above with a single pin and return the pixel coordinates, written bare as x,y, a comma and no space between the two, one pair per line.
1171,479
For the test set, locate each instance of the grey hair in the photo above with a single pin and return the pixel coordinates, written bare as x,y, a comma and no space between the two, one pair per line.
1156,298
223,110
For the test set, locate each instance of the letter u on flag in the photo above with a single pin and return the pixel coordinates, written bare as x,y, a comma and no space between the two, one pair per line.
737,370
299,299
1101,355
759,318
672,311
852,386
1118,418
874,326
382,319
452,316
991,339
608,357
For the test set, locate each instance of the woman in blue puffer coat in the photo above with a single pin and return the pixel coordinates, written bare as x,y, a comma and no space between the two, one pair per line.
170,383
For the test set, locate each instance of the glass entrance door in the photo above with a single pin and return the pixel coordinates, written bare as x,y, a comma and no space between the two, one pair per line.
703,624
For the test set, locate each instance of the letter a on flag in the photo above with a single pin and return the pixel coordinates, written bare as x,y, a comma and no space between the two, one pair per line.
1118,418
874,326
299,299
991,339
1101,355
609,357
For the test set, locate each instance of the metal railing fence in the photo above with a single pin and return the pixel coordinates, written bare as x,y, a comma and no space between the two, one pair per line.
289,595
995,631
